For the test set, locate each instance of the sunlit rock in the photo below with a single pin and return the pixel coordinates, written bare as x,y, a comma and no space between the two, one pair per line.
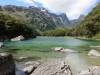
30,66
94,53
19,38
68,50
95,70
55,67
58,48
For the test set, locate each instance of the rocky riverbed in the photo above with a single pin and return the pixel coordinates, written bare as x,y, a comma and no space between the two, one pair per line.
50,67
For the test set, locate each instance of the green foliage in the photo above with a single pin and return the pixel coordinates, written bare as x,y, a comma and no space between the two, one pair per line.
90,26
56,32
11,27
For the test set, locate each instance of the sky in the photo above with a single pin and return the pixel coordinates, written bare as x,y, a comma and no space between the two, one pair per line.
72,8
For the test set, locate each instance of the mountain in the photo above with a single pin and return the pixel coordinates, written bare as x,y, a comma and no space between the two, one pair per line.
76,22
38,17
90,26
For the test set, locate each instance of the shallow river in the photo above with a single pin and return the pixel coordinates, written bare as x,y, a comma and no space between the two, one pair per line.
42,48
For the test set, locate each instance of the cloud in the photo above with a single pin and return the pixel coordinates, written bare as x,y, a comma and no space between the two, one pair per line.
73,8
30,2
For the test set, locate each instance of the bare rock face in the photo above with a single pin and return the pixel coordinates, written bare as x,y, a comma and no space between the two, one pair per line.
53,68
7,65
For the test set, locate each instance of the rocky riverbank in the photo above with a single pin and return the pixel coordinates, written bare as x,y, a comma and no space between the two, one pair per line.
50,67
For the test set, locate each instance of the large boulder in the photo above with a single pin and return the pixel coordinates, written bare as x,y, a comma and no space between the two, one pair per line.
1,44
94,53
19,38
7,65
54,67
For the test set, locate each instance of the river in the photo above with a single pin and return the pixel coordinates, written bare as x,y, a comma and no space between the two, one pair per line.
42,48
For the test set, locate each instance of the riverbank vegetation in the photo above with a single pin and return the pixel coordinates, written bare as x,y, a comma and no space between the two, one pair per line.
11,26
56,32
89,27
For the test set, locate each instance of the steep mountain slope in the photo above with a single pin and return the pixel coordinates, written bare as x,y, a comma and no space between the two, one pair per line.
40,18
90,26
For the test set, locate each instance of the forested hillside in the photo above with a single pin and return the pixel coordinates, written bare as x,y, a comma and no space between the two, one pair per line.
40,18
11,26
28,21
90,26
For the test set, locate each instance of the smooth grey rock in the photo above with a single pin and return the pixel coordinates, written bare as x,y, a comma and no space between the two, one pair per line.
58,48
19,38
94,53
55,67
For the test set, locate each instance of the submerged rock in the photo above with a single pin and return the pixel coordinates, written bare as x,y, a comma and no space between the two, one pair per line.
26,58
94,53
20,72
19,38
1,44
95,46
68,50
61,49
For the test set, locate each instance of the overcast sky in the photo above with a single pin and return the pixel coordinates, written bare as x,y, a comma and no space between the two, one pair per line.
73,8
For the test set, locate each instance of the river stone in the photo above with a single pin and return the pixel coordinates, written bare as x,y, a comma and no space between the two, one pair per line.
94,53
7,65
19,38
54,67
58,48
30,66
